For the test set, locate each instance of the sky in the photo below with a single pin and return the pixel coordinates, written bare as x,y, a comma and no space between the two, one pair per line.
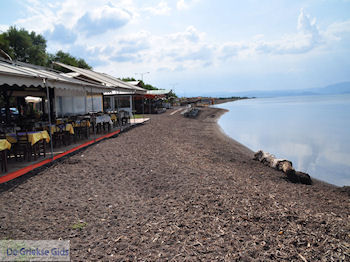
198,47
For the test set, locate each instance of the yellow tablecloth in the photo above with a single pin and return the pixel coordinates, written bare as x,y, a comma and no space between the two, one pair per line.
81,124
4,144
113,117
68,127
59,121
36,137
33,137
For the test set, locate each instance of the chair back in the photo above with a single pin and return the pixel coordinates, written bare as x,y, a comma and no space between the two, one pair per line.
22,138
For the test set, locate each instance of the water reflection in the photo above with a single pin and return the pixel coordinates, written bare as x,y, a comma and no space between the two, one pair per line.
313,132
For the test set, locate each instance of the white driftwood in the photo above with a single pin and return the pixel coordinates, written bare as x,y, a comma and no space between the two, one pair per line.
283,165
270,160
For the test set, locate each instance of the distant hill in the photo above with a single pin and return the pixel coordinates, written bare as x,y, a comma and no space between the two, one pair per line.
339,88
334,89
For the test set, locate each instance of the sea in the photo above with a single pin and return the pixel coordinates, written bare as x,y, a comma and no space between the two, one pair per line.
311,131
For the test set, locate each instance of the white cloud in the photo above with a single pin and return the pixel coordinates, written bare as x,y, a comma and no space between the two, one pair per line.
161,9
307,38
103,32
61,34
191,34
103,19
338,30
185,4
3,28
231,49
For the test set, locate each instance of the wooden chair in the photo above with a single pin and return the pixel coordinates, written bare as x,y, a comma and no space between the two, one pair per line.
81,130
58,138
3,155
40,147
23,147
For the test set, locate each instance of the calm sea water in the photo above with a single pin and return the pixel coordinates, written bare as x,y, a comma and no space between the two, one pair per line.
312,131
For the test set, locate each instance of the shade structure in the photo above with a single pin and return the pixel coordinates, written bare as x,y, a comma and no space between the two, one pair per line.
116,85
26,77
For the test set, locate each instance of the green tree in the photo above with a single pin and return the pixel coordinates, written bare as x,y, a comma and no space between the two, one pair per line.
24,46
67,59
27,47
141,84
128,79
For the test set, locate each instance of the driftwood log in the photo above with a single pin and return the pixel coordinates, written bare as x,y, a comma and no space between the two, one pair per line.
283,165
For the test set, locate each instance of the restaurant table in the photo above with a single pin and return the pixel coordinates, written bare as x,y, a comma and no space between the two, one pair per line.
33,136
104,119
64,127
81,123
113,117
4,145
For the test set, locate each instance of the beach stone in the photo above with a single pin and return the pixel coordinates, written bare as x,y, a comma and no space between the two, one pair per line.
299,177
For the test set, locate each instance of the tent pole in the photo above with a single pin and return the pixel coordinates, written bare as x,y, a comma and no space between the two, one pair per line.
49,113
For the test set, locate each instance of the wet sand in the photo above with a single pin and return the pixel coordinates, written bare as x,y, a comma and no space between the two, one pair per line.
176,189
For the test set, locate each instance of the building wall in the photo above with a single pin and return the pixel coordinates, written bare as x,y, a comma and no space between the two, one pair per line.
69,103
116,102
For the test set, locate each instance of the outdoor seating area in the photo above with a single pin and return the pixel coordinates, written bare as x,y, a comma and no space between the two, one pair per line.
33,143
46,112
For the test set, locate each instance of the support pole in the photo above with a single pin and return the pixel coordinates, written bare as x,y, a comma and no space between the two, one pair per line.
133,106
119,118
143,106
95,124
49,113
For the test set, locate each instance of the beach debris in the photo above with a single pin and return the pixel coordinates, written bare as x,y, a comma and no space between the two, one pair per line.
283,165
192,113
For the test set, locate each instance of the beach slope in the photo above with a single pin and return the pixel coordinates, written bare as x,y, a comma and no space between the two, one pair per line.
176,189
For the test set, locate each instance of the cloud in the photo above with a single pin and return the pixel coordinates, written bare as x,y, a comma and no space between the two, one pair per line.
338,31
201,53
134,58
61,34
231,49
161,9
3,28
185,4
308,26
191,34
103,19
307,38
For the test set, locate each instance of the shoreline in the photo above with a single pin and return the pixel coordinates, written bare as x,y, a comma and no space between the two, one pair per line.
176,189
345,187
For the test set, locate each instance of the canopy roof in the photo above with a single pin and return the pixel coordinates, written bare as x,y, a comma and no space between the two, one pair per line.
134,83
22,76
104,79
156,94
159,92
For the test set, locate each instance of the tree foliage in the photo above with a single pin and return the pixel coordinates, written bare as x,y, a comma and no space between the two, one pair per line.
128,79
141,84
24,46
67,59
30,47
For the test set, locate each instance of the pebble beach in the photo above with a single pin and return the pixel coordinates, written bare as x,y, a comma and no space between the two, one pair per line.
177,189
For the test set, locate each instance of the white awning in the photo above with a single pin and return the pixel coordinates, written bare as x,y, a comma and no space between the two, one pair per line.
106,80
26,75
